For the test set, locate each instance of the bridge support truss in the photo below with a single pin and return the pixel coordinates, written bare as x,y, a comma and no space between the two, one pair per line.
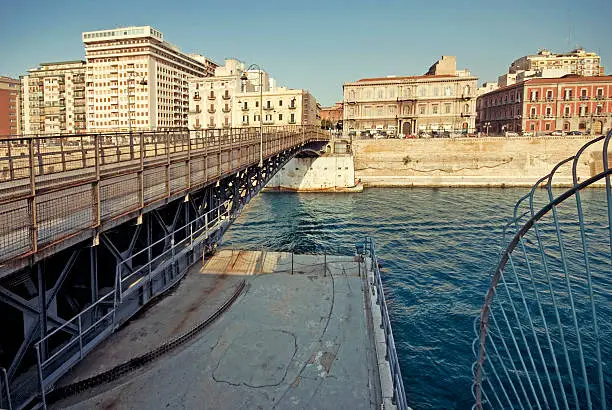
99,284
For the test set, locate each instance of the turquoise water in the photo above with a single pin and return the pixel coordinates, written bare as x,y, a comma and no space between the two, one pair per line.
438,247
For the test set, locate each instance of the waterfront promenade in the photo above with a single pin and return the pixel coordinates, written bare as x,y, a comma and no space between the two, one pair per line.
299,335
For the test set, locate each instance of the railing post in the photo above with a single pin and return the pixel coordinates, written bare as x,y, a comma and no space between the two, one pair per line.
7,389
80,338
32,199
167,163
10,159
41,382
188,162
97,207
62,153
141,173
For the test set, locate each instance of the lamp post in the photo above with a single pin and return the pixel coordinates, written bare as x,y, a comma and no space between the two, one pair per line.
141,82
244,78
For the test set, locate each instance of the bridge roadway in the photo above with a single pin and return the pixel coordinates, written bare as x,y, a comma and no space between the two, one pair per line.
61,190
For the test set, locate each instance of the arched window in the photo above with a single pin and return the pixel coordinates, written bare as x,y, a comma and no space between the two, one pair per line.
466,90
466,108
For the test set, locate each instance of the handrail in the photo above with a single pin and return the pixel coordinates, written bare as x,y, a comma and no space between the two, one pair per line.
486,319
396,374
36,171
5,393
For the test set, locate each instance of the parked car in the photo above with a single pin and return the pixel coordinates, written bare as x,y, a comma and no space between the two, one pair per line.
557,133
575,133
365,134
511,134
527,134
409,136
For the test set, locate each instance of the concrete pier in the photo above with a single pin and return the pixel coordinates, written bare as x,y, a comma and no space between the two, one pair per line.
300,335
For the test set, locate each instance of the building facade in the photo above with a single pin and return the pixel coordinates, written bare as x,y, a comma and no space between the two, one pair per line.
225,100
332,114
9,106
544,105
578,61
53,99
137,81
444,99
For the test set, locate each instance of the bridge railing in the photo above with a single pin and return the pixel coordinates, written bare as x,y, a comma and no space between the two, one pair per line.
62,348
57,187
396,374
5,391
544,330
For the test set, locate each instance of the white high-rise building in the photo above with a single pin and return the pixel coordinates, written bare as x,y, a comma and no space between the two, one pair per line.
137,81
53,99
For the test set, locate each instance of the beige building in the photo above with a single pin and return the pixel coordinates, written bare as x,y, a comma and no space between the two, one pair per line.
578,61
53,99
442,100
138,81
225,100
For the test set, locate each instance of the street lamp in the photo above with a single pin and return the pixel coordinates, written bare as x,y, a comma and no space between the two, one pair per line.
487,125
244,79
141,82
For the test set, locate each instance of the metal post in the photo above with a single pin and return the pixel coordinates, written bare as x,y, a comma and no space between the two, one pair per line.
325,264
40,378
42,303
260,117
292,263
93,265
7,389
80,338
32,199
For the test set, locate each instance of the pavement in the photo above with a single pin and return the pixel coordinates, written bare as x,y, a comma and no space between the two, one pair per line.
299,336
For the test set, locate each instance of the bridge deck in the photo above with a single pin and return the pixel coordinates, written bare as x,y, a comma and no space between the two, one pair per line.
302,340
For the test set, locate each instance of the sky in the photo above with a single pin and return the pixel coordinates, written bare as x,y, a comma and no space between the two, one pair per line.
317,45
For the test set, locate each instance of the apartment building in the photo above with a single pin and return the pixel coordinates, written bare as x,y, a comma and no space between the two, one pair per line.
578,61
332,114
226,100
9,106
53,99
441,100
544,105
137,81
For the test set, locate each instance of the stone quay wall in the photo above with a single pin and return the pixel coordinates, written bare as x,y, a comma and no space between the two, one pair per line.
472,162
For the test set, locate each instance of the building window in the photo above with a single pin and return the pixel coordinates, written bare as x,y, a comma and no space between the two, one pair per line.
280,117
599,93
534,96
583,110
292,118
566,111
422,109
549,95
256,104
422,91
547,126
447,91
447,108
280,103
548,112
583,94
598,109
531,127
434,109
532,113
436,91
568,94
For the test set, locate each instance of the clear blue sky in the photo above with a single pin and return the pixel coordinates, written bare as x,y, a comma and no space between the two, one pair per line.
318,45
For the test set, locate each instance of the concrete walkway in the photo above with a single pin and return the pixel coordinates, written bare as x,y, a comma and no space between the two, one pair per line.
301,340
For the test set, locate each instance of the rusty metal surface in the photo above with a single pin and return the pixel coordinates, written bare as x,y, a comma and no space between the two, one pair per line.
55,188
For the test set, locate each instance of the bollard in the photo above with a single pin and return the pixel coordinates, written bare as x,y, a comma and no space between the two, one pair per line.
324,264
292,263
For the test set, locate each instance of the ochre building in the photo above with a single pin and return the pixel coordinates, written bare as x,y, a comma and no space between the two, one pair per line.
444,99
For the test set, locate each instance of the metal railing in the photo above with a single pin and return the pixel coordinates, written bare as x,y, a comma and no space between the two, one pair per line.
5,391
56,187
396,374
61,349
544,327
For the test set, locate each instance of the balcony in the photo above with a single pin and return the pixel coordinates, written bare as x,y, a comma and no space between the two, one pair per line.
465,97
268,122
292,107
245,122
226,109
197,111
549,99
599,97
227,125
211,110
290,122
197,97
268,107
211,96
584,97
226,96
245,108
211,125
